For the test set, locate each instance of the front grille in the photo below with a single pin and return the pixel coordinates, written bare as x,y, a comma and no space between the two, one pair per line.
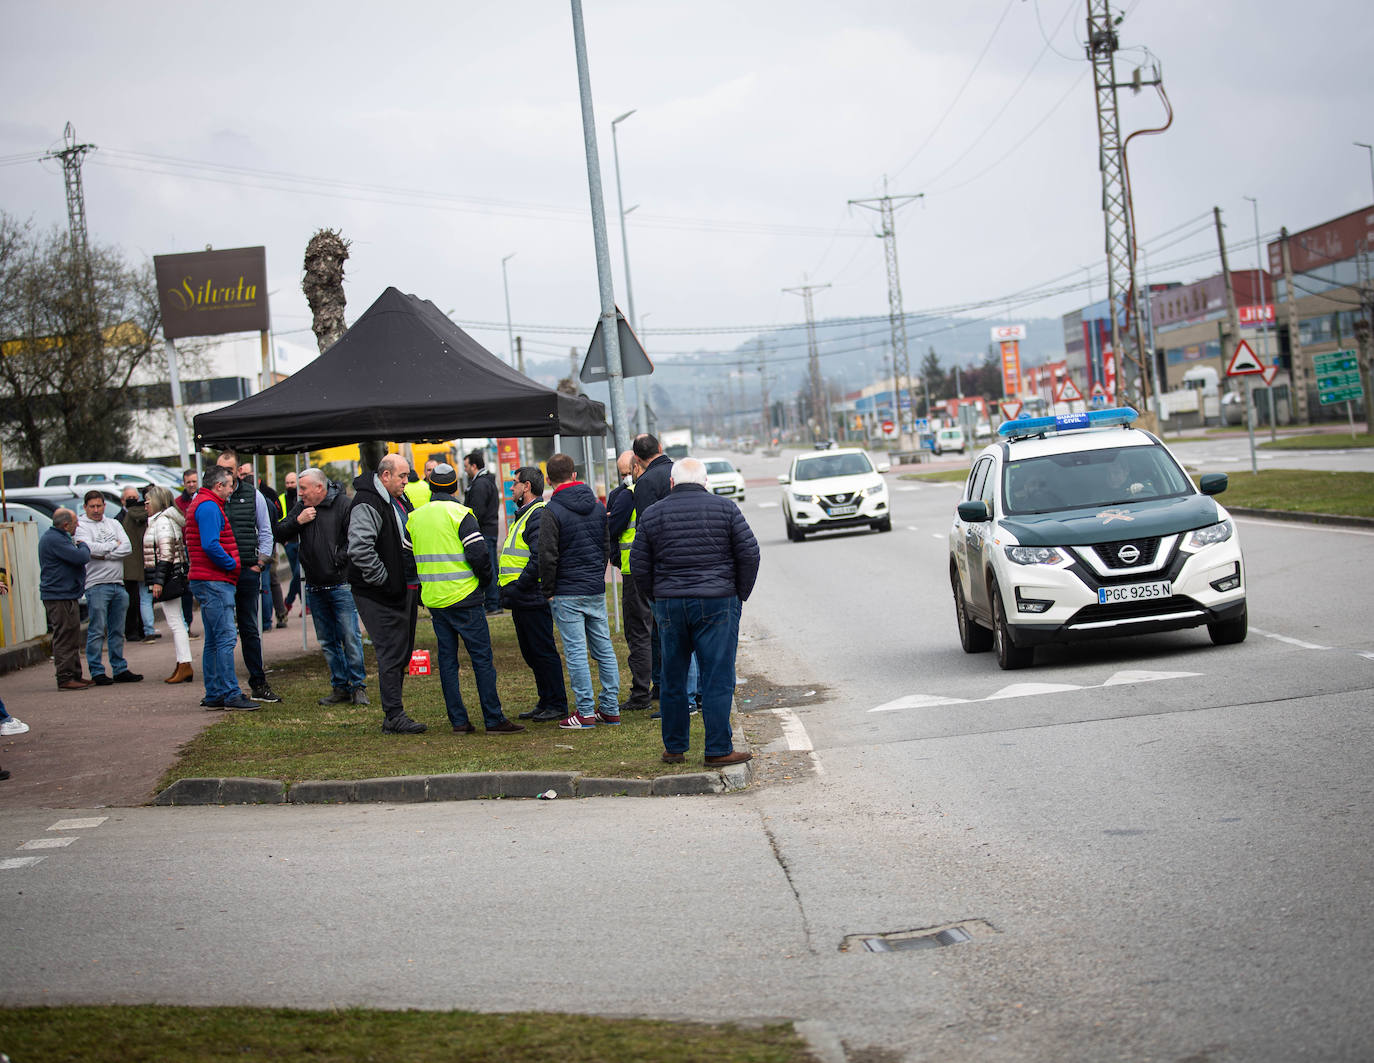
845,499
1110,553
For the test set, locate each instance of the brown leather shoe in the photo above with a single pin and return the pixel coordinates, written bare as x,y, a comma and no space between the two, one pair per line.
75,684
505,727
737,757
672,758
183,673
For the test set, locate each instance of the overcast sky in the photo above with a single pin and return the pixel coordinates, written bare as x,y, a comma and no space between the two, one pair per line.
441,137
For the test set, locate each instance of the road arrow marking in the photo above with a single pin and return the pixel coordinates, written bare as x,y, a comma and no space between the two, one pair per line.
918,701
1023,690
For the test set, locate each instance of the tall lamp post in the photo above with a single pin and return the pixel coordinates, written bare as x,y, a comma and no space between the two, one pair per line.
510,336
1369,148
1264,316
641,414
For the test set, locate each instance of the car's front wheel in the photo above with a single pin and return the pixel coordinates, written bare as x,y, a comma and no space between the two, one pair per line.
794,534
884,525
1009,655
1229,632
972,638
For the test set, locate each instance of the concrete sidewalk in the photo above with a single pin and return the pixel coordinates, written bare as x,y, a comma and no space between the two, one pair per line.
110,745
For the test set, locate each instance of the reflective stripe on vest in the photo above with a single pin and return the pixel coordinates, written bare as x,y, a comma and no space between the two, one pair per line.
627,538
445,575
515,551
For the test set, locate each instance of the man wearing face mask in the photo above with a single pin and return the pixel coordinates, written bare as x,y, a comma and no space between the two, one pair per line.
639,619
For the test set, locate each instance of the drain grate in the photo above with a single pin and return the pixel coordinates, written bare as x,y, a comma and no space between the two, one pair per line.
933,937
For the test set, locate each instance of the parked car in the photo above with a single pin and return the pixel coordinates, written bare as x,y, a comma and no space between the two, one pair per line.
71,474
836,489
950,439
1084,527
724,479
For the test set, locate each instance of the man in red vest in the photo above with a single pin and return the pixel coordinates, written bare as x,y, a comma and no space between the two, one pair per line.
214,576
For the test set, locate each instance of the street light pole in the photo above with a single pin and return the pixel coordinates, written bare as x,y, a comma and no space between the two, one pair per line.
505,285
642,413
1369,148
1264,316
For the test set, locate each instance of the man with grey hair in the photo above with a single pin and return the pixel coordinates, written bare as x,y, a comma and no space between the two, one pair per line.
697,559
62,578
318,522
385,582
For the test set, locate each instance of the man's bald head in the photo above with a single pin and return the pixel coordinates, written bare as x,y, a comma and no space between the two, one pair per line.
625,464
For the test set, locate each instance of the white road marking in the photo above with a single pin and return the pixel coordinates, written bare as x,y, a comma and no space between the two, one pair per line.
78,824
793,731
14,862
933,535
1021,690
1291,641
1308,524
1368,656
907,488
769,505
47,843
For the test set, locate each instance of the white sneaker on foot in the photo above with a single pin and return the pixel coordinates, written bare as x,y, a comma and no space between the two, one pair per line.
13,726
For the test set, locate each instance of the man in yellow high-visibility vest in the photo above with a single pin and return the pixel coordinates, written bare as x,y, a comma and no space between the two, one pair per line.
529,609
454,566
639,618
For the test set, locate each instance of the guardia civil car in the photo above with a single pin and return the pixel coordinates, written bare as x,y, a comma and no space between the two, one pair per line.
1084,527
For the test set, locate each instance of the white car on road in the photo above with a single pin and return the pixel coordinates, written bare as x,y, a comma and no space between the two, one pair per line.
834,489
724,479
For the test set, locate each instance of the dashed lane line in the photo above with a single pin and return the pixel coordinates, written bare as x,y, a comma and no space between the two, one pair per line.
1288,639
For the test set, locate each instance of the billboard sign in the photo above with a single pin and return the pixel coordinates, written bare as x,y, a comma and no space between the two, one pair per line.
1008,332
209,293
1011,367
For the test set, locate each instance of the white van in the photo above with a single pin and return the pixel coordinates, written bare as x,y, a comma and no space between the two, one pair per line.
950,439
73,474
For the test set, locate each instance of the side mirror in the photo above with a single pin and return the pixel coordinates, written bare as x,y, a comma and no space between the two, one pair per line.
784,479
974,511
884,466
1213,483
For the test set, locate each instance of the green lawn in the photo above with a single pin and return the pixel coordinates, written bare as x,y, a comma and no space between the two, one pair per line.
299,739
158,1034
1349,494
1320,441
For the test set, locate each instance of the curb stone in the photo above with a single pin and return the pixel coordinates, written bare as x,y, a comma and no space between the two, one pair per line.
1333,519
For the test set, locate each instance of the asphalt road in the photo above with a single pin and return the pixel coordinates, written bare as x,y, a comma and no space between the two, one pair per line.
1159,848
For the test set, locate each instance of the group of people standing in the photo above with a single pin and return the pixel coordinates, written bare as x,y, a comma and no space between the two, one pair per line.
688,561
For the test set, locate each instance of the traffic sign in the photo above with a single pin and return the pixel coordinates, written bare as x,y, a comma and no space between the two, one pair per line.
1244,362
921,424
1011,408
1269,374
889,429
633,360
1338,377
1068,391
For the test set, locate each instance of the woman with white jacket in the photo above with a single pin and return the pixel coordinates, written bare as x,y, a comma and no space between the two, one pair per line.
166,573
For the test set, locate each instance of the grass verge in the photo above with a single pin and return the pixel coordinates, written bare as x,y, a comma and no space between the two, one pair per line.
299,739
1347,494
941,476
1320,441
160,1034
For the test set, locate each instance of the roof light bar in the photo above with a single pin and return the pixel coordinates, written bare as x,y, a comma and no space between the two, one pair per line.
1025,427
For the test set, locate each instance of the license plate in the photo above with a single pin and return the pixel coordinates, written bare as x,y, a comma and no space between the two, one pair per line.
725,490
1134,592
842,511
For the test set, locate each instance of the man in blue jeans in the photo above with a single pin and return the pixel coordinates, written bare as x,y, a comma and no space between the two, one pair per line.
698,560
573,551
106,599
317,525
454,567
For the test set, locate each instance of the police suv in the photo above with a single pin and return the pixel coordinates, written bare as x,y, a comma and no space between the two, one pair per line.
1081,526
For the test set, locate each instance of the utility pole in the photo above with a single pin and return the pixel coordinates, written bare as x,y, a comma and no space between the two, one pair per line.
70,157
520,353
1119,220
886,205
1297,371
766,435
1232,314
813,351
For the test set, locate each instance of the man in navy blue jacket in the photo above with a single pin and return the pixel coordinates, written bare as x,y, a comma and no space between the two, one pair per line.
61,582
696,557
573,550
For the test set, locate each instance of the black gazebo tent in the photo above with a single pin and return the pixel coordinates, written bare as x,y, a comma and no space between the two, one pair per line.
403,373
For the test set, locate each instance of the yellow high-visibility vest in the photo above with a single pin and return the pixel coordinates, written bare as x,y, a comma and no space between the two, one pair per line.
515,551
418,493
445,575
627,538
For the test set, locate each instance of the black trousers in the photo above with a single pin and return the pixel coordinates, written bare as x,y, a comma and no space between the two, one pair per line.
639,637
534,632
391,627
65,619
247,610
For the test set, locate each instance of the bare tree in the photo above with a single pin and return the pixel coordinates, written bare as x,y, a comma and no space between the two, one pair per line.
74,332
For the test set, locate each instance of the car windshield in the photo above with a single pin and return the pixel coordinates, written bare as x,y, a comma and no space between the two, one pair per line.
833,465
1089,478
714,467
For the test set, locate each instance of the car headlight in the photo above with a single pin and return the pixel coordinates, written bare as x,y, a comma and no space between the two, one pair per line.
876,489
1210,535
804,498
1034,555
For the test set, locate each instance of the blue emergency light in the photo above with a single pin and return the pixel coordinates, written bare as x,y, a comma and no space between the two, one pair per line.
1025,427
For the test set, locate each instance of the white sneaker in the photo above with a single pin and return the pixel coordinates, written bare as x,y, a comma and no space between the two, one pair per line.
13,726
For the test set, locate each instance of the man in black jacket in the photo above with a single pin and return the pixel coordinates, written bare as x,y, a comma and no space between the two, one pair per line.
317,524
484,499
697,556
518,575
653,472
252,528
639,616
381,571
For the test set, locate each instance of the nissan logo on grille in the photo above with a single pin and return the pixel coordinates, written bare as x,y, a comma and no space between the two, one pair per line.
1128,554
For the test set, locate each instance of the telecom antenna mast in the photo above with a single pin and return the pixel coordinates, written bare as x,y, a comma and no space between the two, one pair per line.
886,206
71,156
